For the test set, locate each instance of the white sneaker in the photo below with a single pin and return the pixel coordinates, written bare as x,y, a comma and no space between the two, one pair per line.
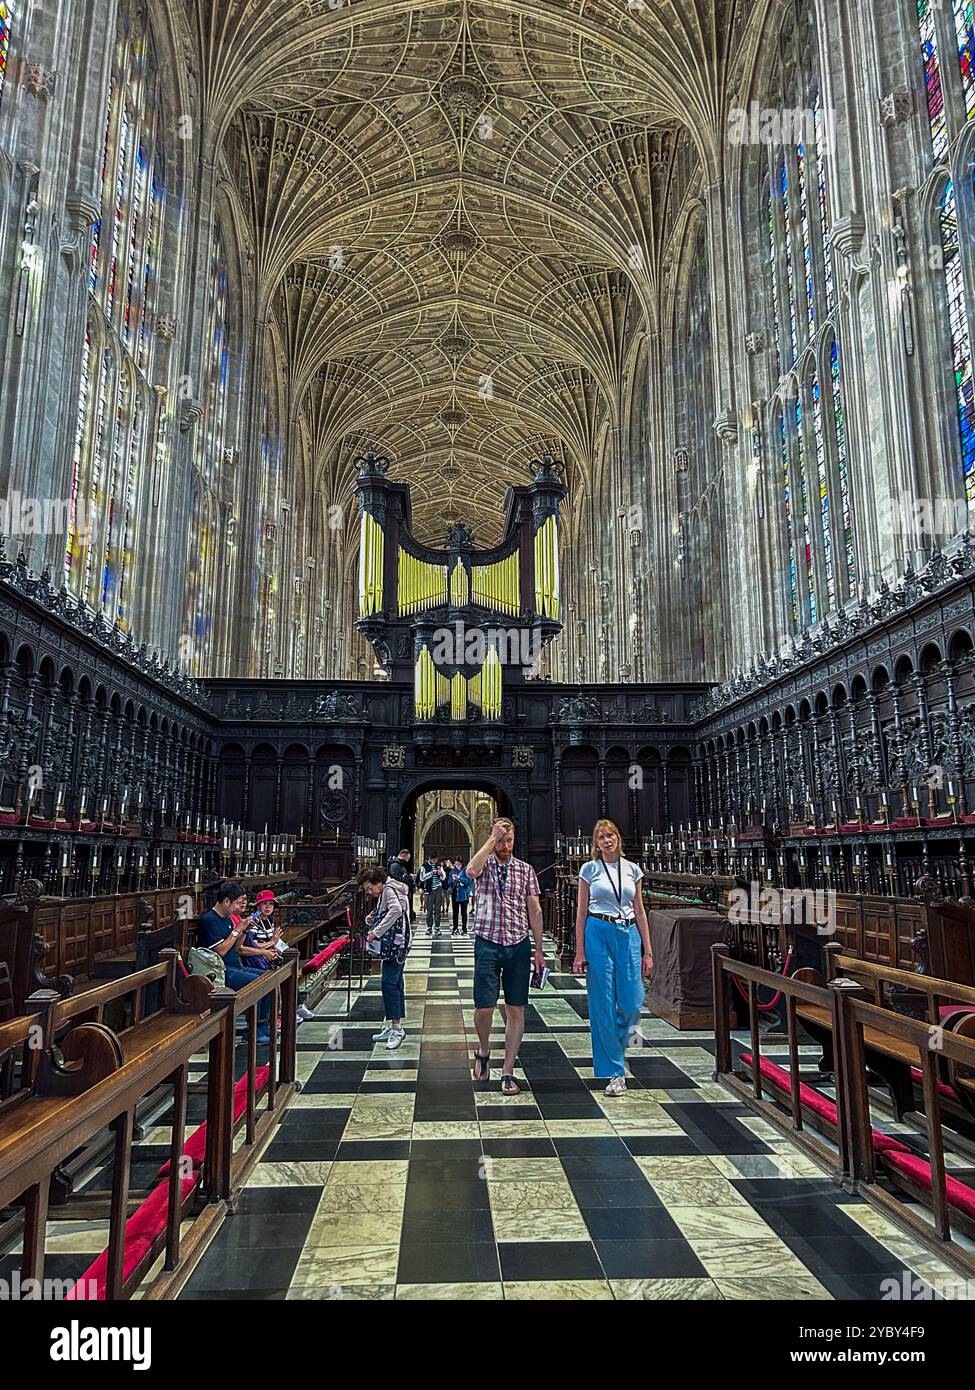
305,1014
383,1033
617,1086
396,1036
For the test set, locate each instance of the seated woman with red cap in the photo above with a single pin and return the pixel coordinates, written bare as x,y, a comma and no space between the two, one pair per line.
263,943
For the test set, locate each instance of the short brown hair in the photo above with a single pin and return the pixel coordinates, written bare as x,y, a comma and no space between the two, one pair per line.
504,820
372,875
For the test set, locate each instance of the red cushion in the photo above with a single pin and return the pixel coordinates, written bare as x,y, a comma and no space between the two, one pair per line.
886,1143
943,1088
919,1169
146,1223
196,1145
326,954
819,1104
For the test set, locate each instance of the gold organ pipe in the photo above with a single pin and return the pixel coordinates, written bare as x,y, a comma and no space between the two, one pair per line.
547,569
497,586
421,584
458,697
371,553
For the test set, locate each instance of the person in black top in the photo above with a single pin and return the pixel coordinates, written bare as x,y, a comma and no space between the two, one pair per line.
399,868
216,931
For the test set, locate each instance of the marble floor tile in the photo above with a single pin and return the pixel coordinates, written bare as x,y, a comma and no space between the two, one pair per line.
676,1166
568,1129
712,1223
561,1291
748,1259
698,1192
364,1174
289,1174
351,1228
523,1170
559,1223
325,1266
366,1293
663,1290
774,1290
351,1197
453,1292
509,1197
513,1129
446,1129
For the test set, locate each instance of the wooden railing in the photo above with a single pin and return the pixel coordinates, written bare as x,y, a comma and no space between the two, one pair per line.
863,1034
79,1078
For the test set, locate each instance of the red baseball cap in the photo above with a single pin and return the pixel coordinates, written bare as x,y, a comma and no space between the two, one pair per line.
266,895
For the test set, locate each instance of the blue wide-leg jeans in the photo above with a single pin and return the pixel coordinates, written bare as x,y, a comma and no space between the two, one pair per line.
614,982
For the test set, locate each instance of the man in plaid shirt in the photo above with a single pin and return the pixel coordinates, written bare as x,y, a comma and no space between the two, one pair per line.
507,914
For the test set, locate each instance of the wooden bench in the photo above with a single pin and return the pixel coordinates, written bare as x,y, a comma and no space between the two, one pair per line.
948,1006
22,948
90,1082
857,1152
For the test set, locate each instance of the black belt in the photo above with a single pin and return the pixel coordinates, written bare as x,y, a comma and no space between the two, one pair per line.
616,921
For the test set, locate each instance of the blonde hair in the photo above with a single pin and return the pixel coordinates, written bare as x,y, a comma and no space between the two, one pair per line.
597,830
503,820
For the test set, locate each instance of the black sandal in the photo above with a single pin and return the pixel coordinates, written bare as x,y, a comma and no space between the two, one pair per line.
505,1090
482,1063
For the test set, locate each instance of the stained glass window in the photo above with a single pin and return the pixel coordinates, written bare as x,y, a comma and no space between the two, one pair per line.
961,342
774,264
825,221
6,19
786,464
932,76
697,397
211,442
790,272
110,466
965,33
822,475
807,529
798,223
806,234
76,521
843,469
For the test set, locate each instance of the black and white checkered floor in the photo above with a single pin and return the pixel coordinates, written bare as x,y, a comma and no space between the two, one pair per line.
394,1175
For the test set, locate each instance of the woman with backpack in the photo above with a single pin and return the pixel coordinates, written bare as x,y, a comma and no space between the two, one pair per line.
389,924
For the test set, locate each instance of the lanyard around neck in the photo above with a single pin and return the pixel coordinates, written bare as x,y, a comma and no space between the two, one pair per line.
617,891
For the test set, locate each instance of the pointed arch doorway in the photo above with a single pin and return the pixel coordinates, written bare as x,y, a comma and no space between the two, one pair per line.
449,819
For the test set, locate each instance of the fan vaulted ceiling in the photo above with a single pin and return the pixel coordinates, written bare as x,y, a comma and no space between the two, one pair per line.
458,217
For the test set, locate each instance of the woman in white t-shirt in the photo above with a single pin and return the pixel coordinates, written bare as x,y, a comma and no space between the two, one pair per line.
611,928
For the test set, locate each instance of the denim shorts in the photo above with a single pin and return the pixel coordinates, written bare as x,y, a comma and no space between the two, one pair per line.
501,967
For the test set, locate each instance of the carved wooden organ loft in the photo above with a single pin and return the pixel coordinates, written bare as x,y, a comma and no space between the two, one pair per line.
453,619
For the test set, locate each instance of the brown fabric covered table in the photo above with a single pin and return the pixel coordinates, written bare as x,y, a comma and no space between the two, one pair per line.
681,939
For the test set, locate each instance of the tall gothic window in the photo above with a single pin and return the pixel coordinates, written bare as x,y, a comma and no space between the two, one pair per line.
700,538
931,53
271,546
965,38
211,442
6,19
947,41
960,334
818,566
111,437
